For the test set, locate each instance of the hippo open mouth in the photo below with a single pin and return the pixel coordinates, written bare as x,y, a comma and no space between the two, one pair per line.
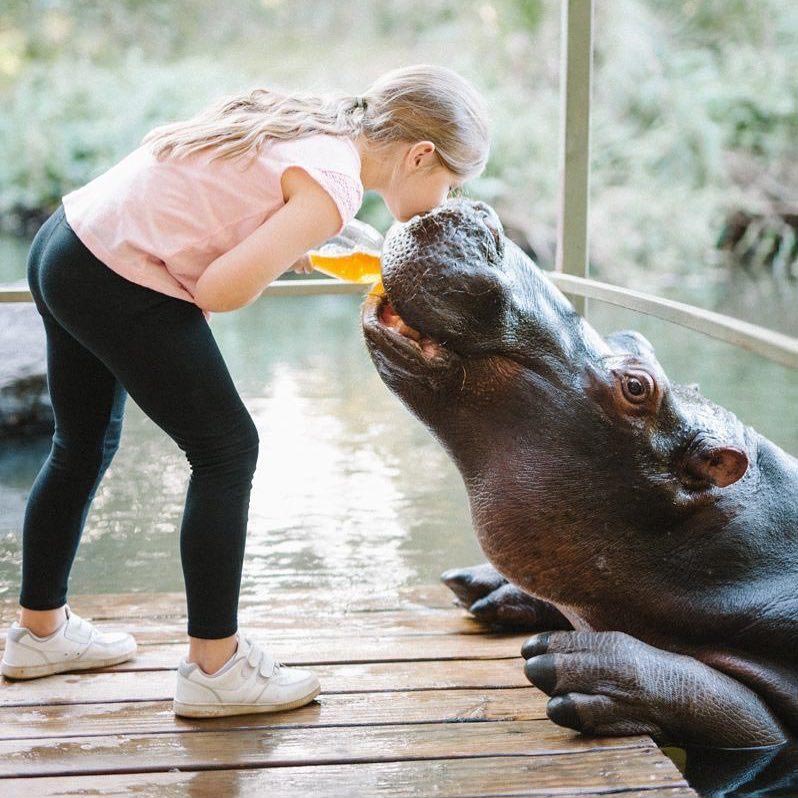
385,321
419,324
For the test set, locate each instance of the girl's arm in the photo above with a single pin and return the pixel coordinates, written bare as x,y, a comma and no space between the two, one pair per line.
308,218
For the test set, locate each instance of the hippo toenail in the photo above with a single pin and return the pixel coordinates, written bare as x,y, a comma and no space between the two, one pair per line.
454,576
541,672
562,710
537,644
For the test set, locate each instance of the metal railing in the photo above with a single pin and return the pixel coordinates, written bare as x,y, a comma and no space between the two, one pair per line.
772,345
576,62
775,346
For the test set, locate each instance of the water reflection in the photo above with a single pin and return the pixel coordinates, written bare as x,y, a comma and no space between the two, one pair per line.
741,773
350,490
328,503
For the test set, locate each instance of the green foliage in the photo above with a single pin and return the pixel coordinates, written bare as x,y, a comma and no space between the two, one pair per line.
682,89
65,124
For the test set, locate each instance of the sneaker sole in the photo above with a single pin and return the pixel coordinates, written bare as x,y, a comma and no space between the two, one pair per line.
218,710
50,668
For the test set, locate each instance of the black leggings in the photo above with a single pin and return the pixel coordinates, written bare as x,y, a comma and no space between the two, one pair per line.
106,337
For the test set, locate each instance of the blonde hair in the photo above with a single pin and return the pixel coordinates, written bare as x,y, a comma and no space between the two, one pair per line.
408,104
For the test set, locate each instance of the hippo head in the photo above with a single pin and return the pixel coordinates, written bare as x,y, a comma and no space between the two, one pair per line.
564,439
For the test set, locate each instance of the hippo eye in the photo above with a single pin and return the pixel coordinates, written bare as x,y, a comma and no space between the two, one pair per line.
636,386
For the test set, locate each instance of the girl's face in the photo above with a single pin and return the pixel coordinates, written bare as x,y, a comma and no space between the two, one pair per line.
419,183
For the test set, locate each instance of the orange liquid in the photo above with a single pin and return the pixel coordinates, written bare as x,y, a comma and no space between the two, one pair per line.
358,266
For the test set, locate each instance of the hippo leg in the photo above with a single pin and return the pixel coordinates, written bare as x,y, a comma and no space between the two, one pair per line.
490,598
609,683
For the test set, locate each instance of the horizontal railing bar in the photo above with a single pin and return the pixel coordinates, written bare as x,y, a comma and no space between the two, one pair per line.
313,287
278,288
15,295
775,346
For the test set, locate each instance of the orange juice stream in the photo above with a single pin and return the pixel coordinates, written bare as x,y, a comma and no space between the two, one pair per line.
359,266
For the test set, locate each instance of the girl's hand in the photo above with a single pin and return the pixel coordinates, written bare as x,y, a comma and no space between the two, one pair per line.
302,265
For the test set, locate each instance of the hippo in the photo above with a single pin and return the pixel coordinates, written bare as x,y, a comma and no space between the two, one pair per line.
645,535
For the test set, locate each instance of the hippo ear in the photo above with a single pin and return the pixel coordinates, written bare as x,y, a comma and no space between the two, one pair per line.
718,465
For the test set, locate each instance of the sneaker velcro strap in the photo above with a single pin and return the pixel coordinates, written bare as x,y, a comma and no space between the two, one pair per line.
78,630
254,656
267,665
258,659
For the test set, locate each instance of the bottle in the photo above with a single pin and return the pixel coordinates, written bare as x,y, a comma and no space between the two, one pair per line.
354,254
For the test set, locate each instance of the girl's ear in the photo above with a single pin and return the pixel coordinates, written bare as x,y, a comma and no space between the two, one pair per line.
421,149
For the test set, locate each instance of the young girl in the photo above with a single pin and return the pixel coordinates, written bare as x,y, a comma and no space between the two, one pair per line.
202,217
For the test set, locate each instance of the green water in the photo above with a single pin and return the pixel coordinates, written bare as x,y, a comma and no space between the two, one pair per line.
350,490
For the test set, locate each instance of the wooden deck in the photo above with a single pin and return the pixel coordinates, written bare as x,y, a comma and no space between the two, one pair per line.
417,700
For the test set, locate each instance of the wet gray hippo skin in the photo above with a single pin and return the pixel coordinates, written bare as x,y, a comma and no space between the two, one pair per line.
648,535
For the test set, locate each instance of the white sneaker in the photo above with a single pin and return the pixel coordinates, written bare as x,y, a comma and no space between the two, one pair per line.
250,681
76,645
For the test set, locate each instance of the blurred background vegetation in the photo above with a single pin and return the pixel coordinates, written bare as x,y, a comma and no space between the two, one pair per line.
694,196
695,124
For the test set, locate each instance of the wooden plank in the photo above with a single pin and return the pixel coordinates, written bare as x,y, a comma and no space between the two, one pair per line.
118,753
292,625
15,295
114,684
124,606
395,718
311,651
307,287
147,717
630,773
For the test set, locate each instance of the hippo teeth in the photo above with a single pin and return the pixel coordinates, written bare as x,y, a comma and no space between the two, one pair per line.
390,318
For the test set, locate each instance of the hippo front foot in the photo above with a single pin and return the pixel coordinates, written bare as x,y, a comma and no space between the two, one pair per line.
490,598
611,684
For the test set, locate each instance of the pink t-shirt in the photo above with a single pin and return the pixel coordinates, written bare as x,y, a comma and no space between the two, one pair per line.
161,223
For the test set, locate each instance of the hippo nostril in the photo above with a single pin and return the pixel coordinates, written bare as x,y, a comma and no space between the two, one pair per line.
493,224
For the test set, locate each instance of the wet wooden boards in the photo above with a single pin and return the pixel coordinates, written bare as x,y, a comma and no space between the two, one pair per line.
417,699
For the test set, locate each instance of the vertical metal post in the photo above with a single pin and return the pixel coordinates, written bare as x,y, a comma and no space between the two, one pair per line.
575,77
